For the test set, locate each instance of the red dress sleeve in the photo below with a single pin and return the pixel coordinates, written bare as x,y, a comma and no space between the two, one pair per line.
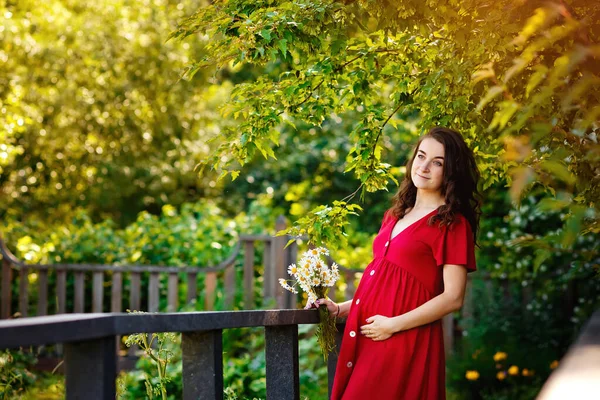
455,245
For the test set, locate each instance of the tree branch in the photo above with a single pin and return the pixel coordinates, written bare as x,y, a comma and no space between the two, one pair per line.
309,95
351,195
383,126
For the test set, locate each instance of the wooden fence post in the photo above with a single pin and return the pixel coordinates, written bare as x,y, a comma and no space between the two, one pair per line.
97,291
269,267
281,353
292,258
6,290
42,292
24,291
279,271
202,359
249,275
91,369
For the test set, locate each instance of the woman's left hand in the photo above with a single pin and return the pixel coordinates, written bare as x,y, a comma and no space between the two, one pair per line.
378,328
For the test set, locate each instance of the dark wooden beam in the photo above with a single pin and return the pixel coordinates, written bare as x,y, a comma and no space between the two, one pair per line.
281,353
202,354
91,369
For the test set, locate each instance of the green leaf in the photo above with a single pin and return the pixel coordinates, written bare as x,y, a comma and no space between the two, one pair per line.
549,204
266,34
536,78
282,43
572,227
492,93
559,170
506,110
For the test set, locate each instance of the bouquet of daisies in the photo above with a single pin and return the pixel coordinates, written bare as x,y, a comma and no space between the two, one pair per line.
315,277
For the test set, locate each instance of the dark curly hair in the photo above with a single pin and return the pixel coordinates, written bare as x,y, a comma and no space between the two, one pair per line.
459,182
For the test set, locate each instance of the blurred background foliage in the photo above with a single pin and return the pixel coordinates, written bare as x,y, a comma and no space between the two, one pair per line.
100,138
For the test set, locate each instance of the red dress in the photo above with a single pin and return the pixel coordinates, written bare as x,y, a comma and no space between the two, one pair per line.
406,272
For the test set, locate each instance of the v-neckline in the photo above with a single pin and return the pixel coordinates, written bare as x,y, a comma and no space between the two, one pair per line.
390,238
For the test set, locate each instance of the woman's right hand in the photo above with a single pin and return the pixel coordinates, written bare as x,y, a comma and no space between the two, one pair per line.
332,307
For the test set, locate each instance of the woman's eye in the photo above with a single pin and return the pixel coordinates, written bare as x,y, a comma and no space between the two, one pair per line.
421,156
439,164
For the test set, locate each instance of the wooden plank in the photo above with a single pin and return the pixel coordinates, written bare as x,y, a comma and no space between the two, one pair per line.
192,286
65,328
448,331
280,266
292,258
349,277
281,354
24,291
229,286
116,301
210,285
97,291
153,293
116,295
332,292
268,259
6,298
202,360
134,291
249,275
173,292
91,369
61,291
42,293
79,306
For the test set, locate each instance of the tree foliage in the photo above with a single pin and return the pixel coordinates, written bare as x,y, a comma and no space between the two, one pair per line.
518,79
93,112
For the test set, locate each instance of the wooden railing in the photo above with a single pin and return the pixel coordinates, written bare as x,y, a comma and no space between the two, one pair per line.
219,280
91,363
275,259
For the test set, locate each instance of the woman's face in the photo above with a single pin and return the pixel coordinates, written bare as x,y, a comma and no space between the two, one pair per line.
428,166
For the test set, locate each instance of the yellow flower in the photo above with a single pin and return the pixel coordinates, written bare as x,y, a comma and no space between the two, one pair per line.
501,375
554,364
527,372
514,370
499,356
472,375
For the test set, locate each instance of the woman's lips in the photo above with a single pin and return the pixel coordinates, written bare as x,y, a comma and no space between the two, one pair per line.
422,176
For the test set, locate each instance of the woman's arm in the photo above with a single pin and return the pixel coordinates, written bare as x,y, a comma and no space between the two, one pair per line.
455,280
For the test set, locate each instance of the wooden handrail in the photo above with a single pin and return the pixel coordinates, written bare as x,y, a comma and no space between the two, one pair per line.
90,339
8,255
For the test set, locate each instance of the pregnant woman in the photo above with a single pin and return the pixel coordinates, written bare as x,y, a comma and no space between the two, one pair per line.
393,345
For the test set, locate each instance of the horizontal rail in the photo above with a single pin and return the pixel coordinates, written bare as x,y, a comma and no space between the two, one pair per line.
90,340
63,328
9,256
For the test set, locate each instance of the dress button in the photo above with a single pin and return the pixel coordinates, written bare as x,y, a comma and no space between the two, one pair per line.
352,333
349,365
357,301
387,243
372,272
